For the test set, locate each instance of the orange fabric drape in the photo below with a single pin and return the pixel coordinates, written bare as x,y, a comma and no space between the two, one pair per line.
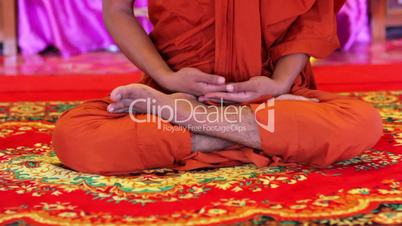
242,38
238,39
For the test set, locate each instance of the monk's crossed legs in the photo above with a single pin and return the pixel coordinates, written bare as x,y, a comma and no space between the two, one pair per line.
90,139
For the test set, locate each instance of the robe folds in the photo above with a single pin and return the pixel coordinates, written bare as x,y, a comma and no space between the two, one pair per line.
236,39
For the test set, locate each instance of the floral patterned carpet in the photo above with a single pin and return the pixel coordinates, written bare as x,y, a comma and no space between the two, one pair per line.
35,189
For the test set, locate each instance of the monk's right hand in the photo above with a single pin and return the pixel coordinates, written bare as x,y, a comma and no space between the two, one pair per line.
193,81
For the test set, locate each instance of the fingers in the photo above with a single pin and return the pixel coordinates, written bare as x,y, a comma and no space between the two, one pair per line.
236,97
230,98
208,88
241,86
210,79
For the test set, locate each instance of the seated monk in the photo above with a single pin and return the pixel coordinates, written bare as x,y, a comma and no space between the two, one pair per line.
251,55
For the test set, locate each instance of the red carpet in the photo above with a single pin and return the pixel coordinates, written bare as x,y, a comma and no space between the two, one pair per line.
61,87
78,87
35,189
359,77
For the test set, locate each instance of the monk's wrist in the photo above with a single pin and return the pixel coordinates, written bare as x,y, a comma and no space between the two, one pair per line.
281,87
164,78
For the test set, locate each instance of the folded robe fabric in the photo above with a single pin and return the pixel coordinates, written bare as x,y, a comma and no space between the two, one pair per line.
237,39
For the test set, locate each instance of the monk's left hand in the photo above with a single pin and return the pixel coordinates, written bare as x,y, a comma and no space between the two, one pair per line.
249,90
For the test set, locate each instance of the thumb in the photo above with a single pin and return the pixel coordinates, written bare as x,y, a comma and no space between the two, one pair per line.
240,87
210,78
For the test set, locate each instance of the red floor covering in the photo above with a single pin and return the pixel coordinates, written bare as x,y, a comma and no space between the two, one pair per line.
337,78
35,189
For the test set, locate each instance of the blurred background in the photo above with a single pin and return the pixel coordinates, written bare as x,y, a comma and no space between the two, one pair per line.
61,46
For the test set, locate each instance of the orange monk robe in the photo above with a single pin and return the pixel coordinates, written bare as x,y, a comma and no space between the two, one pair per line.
237,39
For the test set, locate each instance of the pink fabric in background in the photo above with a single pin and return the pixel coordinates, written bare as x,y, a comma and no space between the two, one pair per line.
76,26
72,26
353,23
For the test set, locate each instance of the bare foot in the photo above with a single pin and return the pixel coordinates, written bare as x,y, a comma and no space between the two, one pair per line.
124,96
144,99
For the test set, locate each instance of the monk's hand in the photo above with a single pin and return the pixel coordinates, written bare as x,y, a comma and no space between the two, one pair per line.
194,82
249,90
